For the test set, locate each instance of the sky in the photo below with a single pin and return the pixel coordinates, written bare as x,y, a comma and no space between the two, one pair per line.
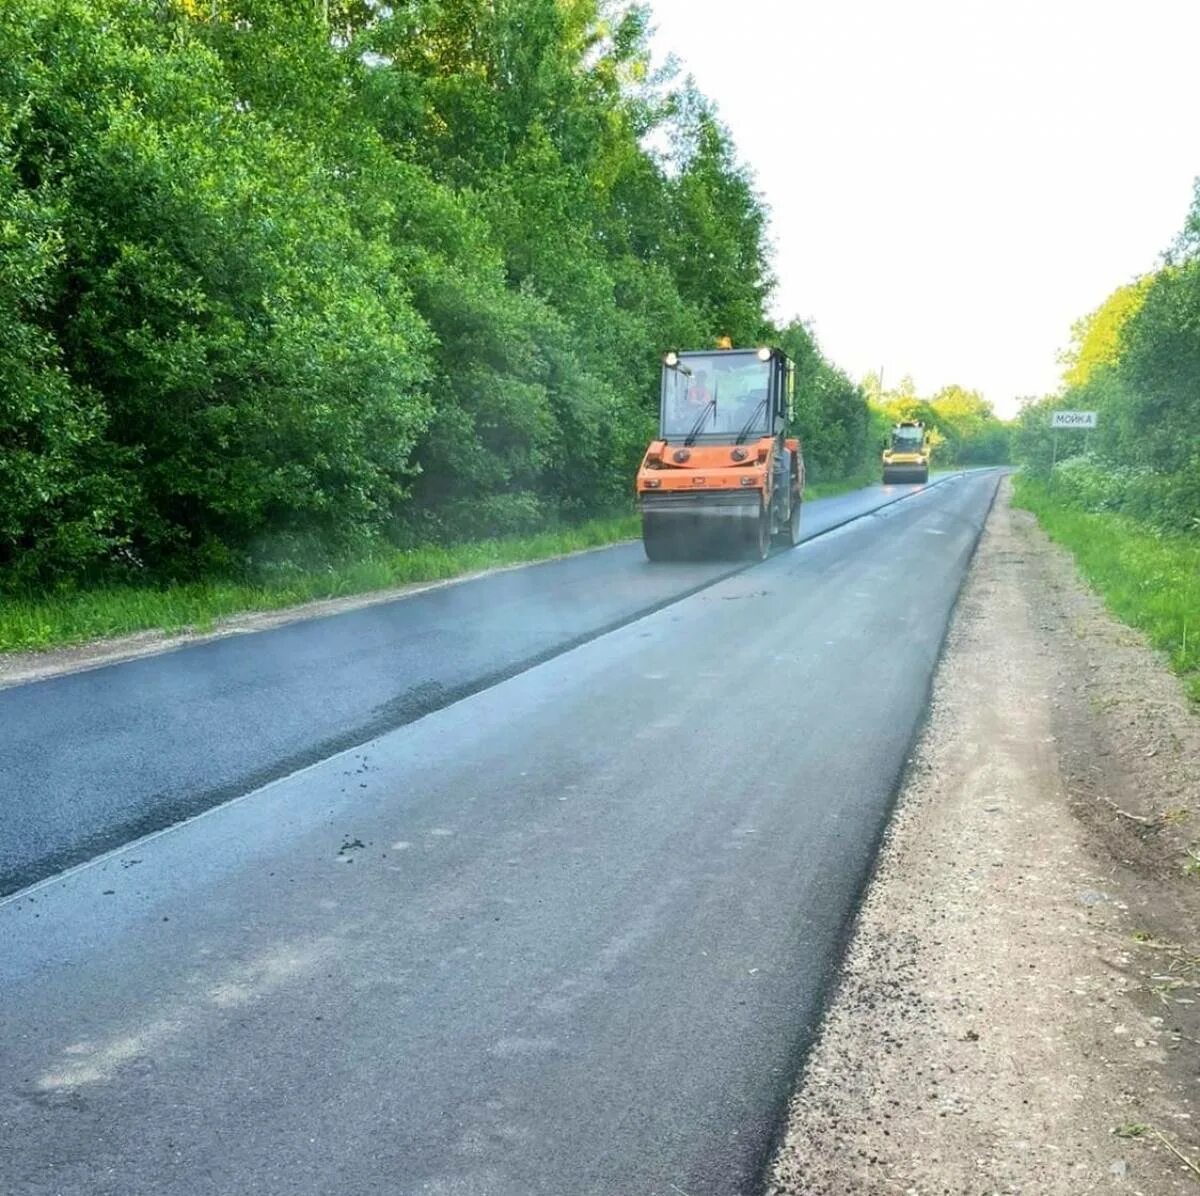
953,184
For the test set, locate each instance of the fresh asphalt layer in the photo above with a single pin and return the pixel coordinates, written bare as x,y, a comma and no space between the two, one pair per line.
92,760
566,936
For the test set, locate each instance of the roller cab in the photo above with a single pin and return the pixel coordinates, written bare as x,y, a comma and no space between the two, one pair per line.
722,478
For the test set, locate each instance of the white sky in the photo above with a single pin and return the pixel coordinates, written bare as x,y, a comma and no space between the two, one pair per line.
954,182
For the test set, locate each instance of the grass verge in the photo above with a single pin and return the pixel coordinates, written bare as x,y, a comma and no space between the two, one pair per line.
1147,579
34,621
46,621
864,477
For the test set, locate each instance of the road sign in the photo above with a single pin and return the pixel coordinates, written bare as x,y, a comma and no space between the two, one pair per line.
1073,419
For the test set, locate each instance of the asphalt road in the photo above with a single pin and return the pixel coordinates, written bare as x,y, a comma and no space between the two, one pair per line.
566,936
93,760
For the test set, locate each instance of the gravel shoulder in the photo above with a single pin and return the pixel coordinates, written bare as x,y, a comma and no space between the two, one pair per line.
1018,1011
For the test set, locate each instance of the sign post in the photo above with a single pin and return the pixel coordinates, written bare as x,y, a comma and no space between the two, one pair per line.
1068,419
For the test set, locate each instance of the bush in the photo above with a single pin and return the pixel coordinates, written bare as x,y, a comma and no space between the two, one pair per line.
270,295
1136,361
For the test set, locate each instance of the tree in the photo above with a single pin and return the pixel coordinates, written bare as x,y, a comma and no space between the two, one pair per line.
1136,361
963,426
1096,339
282,280
973,433
832,417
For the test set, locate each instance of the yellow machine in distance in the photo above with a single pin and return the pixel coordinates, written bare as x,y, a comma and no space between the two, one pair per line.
906,459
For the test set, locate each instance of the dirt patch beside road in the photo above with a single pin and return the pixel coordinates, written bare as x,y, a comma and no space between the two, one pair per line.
1020,1007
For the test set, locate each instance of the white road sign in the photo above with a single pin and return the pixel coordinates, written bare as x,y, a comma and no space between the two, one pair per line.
1073,419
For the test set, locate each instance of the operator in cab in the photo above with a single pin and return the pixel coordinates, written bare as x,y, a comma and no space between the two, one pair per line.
698,391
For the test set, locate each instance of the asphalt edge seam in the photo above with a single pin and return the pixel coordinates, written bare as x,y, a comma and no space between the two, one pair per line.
331,749
385,597
835,974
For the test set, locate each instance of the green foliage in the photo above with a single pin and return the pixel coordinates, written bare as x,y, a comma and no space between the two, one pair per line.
1150,580
1033,442
1136,363
973,434
284,282
59,498
252,366
1096,339
1125,498
963,427
38,620
836,427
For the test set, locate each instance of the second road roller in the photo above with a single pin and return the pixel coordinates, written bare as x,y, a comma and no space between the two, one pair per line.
722,478
906,458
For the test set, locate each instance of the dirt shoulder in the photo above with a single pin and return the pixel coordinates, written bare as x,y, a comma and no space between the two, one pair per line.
1020,1006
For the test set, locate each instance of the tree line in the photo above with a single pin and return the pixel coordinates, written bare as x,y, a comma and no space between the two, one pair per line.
1135,360
285,279
964,428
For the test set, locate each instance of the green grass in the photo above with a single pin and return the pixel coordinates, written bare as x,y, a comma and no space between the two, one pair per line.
36,622
865,477
46,621
1149,580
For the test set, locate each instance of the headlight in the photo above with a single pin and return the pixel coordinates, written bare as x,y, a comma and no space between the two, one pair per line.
764,354
671,358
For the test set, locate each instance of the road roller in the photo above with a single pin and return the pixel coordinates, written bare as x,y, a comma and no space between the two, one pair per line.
906,459
722,478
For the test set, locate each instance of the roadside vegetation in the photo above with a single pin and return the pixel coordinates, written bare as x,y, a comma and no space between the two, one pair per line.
291,289
284,286
964,428
1149,580
1125,498
77,616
